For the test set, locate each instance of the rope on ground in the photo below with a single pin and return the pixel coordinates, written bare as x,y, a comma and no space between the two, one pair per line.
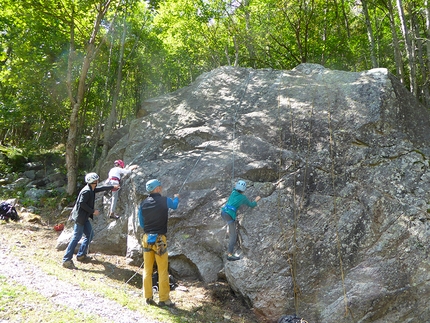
135,273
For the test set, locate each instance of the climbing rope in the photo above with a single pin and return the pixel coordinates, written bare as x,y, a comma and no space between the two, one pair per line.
195,164
298,210
203,151
338,244
235,122
234,134
159,138
298,197
290,257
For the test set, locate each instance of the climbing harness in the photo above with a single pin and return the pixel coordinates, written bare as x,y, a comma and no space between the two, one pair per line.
230,207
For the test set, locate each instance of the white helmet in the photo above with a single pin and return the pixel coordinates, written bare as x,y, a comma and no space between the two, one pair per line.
90,178
240,186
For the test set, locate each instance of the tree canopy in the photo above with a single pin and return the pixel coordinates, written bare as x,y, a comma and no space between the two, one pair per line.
71,72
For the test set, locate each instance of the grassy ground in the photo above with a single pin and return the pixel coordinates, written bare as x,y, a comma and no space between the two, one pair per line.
111,277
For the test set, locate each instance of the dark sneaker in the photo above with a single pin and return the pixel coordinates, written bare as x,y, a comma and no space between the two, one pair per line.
69,264
167,303
116,217
84,258
150,301
232,258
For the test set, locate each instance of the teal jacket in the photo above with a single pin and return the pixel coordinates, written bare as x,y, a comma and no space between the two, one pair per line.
235,201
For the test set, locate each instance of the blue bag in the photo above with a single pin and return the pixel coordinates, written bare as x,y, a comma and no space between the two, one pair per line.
152,238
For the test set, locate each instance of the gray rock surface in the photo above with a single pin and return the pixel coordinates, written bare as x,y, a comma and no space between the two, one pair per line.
341,162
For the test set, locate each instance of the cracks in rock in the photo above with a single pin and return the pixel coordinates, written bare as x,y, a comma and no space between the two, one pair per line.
358,142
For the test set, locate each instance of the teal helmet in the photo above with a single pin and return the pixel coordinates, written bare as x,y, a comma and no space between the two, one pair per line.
240,186
152,184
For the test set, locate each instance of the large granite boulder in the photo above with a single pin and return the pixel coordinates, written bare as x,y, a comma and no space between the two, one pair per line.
341,162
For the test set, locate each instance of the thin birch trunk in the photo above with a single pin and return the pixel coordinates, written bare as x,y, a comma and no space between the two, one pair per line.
370,34
408,44
424,92
397,52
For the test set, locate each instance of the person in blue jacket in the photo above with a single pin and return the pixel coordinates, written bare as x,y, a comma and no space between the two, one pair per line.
153,214
229,214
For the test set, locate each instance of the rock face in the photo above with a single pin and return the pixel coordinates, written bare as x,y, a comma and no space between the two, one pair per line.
340,160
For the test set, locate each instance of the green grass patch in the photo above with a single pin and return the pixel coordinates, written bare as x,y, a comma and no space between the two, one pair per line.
20,304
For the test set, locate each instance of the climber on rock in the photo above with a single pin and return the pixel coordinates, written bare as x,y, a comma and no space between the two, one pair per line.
114,178
229,214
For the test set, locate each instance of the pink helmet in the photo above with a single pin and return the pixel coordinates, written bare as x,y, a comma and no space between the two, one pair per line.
119,162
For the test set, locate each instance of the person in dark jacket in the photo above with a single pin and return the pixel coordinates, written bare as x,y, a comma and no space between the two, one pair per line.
153,214
229,213
84,211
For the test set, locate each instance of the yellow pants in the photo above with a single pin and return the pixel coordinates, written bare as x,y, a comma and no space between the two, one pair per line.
151,254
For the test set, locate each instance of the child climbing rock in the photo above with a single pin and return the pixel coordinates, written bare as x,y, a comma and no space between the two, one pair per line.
114,178
229,213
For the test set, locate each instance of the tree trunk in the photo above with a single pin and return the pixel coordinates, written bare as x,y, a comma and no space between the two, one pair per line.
71,163
408,44
427,45
76,96
370,34
113,112
249,36
345,18
236,52
397,52
424,92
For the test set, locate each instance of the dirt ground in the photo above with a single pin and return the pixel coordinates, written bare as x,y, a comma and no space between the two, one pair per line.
23,241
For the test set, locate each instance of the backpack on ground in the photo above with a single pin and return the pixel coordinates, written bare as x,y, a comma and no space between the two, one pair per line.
8,212
172,282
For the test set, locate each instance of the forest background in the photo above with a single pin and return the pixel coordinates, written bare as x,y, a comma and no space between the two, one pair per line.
72,72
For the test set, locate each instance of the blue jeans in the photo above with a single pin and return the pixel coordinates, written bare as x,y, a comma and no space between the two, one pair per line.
231,231
78,231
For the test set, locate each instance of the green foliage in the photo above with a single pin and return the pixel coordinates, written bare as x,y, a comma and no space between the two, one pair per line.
11,160
167,45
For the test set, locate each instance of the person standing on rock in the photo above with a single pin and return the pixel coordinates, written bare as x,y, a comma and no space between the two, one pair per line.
114,178
153,215
229,213
82,212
